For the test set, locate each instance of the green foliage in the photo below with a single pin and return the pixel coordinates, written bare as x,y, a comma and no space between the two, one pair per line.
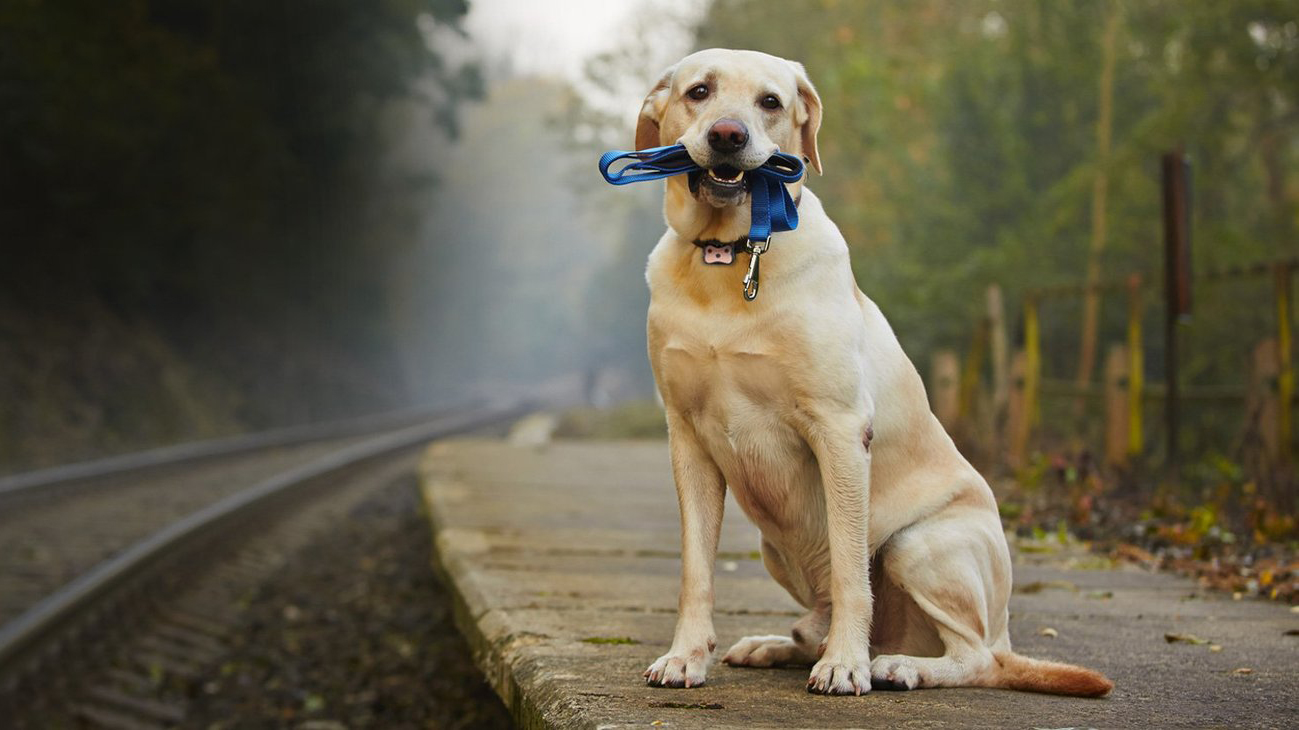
158,148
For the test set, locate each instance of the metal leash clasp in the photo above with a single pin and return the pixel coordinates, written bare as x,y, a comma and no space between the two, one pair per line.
755,249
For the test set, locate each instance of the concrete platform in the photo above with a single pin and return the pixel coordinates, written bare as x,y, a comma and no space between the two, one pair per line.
564,559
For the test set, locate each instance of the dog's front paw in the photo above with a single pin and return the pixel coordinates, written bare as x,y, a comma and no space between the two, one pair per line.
679,669
840,675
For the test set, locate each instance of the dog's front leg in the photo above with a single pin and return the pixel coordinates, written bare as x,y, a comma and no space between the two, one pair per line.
701,494
842,448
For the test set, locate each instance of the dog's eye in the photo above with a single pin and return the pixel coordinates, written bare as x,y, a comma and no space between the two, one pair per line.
770,102
698,92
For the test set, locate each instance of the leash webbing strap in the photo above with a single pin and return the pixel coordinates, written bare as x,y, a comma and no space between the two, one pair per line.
772,209
654,163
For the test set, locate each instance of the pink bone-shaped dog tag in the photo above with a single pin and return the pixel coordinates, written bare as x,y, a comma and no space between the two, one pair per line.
723,254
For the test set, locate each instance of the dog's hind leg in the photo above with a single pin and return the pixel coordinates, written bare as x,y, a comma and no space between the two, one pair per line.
956,572
956,569
801,647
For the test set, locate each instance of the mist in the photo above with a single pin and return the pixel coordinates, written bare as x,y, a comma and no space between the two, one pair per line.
497,292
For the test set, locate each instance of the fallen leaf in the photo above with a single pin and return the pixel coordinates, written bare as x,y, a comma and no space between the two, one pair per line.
1184,639
1038,586
1135,554
1100,595
1215,647
1049,632
1242,670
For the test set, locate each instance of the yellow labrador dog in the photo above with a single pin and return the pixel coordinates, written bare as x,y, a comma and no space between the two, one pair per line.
804,404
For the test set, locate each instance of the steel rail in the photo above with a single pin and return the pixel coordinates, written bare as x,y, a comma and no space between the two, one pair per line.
22,638
197,450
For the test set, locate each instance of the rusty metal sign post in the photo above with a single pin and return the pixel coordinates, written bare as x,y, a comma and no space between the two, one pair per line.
1177,283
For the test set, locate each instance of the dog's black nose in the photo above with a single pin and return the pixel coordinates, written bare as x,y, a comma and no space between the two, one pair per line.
727,135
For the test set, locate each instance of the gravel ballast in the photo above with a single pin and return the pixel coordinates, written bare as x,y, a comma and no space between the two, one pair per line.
355,632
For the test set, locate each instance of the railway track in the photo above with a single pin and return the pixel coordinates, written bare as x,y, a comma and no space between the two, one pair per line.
118,588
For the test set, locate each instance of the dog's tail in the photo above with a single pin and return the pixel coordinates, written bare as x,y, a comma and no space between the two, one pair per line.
1013,671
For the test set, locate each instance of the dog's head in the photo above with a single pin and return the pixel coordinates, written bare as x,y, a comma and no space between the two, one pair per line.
732,110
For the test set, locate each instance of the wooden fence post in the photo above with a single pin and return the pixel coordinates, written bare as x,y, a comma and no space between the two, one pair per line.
1016,415
1032,365
1262,409
970,373
1117,416
945,388
1136,368
1284,362
997,345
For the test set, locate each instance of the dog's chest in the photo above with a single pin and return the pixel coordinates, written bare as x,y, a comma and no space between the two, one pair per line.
722,375
736,398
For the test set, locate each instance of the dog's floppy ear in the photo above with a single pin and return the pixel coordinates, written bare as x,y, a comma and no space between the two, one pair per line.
651,112
808,115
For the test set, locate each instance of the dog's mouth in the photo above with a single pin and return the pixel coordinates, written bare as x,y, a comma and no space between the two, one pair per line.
721,183
726,176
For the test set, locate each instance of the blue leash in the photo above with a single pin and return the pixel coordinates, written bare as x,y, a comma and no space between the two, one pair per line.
771,208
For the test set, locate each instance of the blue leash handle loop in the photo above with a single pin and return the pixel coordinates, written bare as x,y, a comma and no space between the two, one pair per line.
771,207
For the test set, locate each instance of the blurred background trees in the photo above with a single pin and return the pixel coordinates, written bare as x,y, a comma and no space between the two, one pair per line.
961,137
199,207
